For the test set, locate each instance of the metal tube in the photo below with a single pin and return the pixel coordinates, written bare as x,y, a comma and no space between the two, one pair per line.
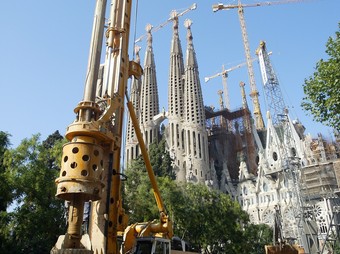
147,162
94,55
75,220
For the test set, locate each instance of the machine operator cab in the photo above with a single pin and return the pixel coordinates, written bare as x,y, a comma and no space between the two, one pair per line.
152,245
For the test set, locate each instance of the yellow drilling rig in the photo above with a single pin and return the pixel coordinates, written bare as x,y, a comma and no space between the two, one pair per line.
90,170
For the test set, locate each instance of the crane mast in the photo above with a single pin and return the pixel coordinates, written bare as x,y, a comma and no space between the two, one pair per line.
225,89
254,93
222,119
271,85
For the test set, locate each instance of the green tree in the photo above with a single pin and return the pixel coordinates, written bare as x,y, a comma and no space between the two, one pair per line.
337,247
212,222
160,160
38,218
322,98
256,237
138,197
5,192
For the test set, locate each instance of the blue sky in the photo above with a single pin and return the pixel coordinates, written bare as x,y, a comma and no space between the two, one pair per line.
44,51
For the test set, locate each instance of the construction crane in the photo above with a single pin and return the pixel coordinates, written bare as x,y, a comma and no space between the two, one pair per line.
286,148
254,92
224,74
173,15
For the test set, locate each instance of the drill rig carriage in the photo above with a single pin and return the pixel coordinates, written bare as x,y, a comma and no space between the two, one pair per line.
90,170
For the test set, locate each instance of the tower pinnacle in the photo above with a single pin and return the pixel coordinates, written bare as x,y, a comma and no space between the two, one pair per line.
149,39
194,129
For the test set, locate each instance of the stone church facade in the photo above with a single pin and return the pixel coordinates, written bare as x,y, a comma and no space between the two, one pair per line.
293,182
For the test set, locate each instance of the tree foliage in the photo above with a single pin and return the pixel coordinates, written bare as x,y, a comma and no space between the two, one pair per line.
336,247
160,160
256,237
212,220
37,217
5,189
322,98
5,193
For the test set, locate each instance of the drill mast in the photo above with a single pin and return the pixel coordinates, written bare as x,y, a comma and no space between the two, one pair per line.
90,170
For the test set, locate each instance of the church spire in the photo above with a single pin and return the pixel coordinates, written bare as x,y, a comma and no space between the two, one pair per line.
132,148
194,107
175,98
196,138
175,102
149,105
191,55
